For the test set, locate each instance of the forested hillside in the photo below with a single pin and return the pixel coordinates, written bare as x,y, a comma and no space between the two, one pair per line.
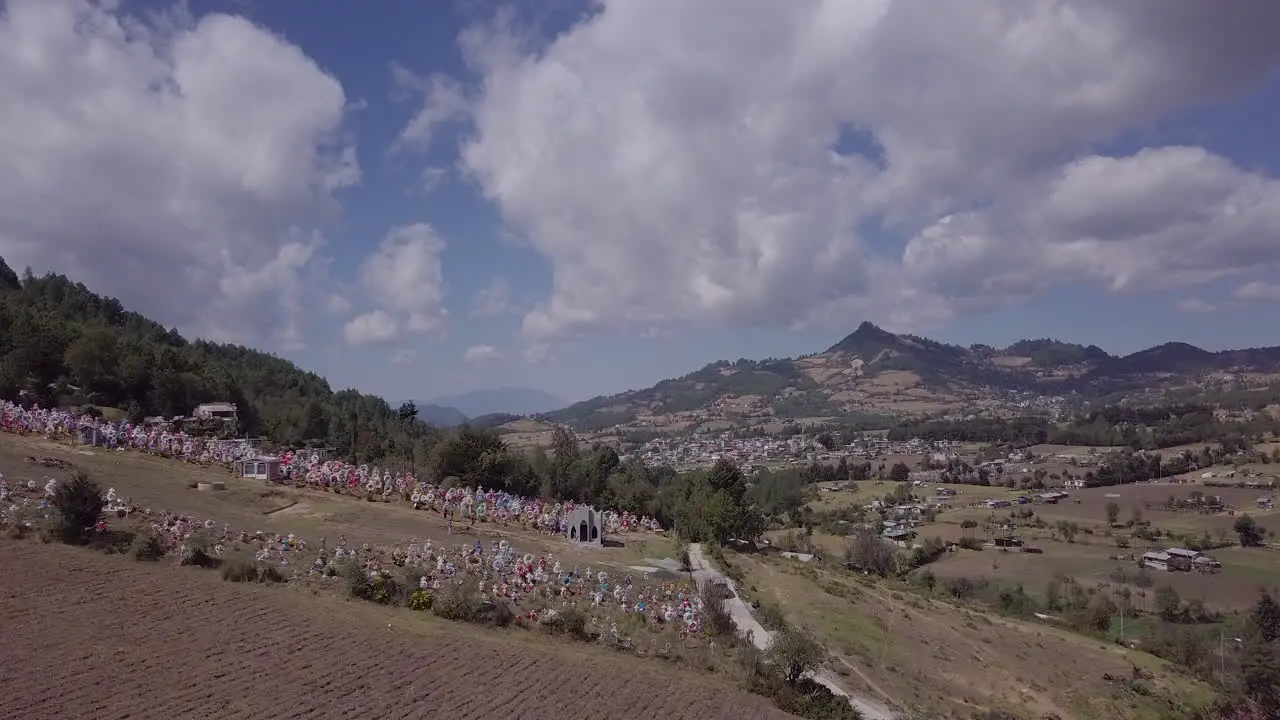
61,344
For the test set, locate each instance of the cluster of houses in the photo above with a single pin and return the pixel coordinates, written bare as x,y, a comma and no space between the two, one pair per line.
1179,560
705,449
1050,497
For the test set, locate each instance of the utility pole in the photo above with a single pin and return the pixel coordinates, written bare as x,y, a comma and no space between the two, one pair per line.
1222,654
1123,601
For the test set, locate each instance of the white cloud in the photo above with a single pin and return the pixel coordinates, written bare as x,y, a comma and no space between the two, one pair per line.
443,102
478,354
404,277
1258,290
403,356
729,162
1165,217
493,299
175,164
371,327
433,178
1195,306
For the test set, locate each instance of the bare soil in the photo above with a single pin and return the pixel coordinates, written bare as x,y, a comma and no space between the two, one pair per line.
93,636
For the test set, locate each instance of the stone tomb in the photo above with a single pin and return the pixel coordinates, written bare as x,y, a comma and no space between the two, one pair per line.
586,526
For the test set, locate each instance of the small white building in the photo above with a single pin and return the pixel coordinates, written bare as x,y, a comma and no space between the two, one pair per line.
215,411
261,468
585,526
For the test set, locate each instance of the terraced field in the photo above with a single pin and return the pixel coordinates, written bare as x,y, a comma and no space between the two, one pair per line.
86,635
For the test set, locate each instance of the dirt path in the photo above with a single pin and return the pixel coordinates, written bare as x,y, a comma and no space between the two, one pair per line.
746,623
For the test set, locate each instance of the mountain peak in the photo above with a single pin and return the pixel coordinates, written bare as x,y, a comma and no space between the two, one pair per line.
869,337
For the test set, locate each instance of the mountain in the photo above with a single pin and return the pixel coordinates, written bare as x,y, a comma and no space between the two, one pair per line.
441,416
875,375
504,400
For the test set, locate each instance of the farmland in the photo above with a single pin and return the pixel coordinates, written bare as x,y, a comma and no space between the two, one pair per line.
1091,555
89,635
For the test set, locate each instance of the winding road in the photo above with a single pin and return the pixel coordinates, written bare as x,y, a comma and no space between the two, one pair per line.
747,625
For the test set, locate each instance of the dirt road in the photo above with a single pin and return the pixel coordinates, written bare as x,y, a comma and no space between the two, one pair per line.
747,625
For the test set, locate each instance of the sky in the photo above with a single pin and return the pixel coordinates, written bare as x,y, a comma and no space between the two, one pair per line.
420,198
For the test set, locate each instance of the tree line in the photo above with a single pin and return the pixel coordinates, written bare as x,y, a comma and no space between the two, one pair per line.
1149,428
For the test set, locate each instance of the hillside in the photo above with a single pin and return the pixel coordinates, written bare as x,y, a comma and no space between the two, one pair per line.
875,375
61,344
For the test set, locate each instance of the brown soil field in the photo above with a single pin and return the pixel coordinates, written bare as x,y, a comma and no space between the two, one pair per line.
88,635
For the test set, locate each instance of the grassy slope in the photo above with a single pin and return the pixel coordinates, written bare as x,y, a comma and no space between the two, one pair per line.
934,656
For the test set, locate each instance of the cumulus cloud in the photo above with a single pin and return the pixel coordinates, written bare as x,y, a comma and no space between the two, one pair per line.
478,354
1258,291
174,163
371,327
404,277
769,163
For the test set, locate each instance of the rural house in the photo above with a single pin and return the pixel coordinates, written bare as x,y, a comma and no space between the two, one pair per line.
224,411
1156,560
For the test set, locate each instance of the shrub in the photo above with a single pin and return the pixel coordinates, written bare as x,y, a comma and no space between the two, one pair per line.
79,504
381,589
501,614
771,617
458,605
241,570
803,698
793,653
146,548
719,622
421,600
195,552
571,622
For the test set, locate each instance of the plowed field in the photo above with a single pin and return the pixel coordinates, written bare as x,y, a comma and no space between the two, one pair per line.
85,635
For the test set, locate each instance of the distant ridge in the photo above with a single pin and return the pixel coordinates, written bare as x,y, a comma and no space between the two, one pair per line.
877,372
508,400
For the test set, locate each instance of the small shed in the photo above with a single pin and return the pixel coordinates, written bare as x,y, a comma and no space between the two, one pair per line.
261,468
90,435
585,526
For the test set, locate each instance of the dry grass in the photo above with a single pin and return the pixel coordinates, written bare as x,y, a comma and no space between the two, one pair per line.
252,505
939,658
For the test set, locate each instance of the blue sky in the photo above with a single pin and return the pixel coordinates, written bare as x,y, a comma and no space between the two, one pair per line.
653,185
